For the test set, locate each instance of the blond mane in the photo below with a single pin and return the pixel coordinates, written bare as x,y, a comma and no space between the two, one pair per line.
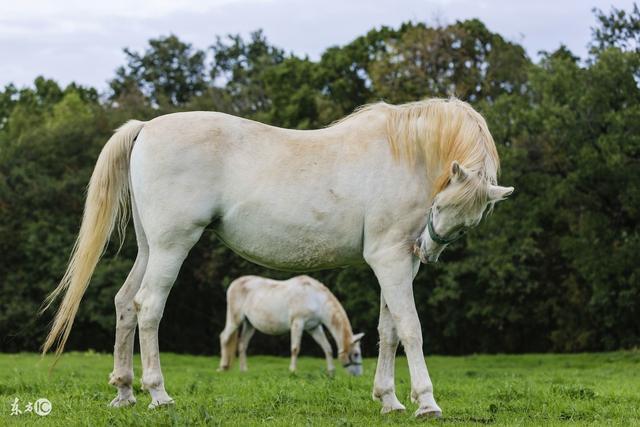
437,131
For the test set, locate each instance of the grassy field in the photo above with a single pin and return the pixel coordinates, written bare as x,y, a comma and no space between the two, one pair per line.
584,389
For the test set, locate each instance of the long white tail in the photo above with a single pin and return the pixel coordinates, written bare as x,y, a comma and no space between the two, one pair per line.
106,204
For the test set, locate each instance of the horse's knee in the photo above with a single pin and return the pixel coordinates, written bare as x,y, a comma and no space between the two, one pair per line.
410,336
149,305
388,335
138,300
149,317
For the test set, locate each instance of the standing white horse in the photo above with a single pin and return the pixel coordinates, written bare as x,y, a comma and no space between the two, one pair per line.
388,185
274,307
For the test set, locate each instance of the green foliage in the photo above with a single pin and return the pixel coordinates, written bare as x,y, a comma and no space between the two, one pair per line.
555,268
617,29
241,66
531,390
170,72
464,59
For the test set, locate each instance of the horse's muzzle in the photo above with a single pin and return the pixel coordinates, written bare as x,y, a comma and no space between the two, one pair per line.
417,251
422,254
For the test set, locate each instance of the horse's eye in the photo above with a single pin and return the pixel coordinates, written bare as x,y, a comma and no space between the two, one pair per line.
458,233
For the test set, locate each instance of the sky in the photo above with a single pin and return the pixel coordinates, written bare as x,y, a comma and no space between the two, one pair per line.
82,40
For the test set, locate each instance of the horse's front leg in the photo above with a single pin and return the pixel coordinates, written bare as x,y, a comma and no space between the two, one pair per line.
384,382
319,336
297,327
395,270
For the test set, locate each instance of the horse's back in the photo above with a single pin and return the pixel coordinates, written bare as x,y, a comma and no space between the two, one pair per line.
271,305
285,199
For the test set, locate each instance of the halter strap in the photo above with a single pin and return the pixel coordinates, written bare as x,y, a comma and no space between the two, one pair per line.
351,362
435,236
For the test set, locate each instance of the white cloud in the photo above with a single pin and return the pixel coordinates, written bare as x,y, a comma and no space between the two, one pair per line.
71,40
107,9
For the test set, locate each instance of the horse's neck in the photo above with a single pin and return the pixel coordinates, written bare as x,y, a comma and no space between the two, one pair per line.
336,320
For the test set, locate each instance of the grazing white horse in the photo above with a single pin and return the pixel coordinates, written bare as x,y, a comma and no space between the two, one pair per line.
388,185
274,307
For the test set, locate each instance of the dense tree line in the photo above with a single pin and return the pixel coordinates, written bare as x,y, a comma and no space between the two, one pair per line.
556,268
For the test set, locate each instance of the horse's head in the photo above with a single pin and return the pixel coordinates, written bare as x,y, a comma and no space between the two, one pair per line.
455,209
354,363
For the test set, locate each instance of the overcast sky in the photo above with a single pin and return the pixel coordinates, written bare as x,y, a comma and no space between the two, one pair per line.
82,40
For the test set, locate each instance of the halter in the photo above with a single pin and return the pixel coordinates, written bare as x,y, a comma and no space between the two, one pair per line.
438,238
351,362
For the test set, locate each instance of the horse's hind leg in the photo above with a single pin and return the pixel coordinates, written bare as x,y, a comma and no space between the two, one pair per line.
297,327
166,254
122,375
229,337
245,336
126,320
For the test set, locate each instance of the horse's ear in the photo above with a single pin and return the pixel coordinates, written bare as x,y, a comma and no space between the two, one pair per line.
357,337
458,173
497,193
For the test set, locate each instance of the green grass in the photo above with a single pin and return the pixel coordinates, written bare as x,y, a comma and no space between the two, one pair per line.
583,389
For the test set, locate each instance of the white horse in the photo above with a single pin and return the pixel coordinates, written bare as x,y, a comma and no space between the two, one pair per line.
387,185
274,307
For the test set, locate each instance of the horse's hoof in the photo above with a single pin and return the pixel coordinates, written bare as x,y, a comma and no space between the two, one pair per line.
222,369
157,404
395,408
428,413
119,402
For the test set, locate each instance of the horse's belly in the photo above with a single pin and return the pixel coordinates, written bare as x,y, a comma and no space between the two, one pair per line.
295,244
270,322
276,320
283,254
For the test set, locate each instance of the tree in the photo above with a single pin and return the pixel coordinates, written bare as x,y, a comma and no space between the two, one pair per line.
464,59
553,269
170,72
619,29
240,67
